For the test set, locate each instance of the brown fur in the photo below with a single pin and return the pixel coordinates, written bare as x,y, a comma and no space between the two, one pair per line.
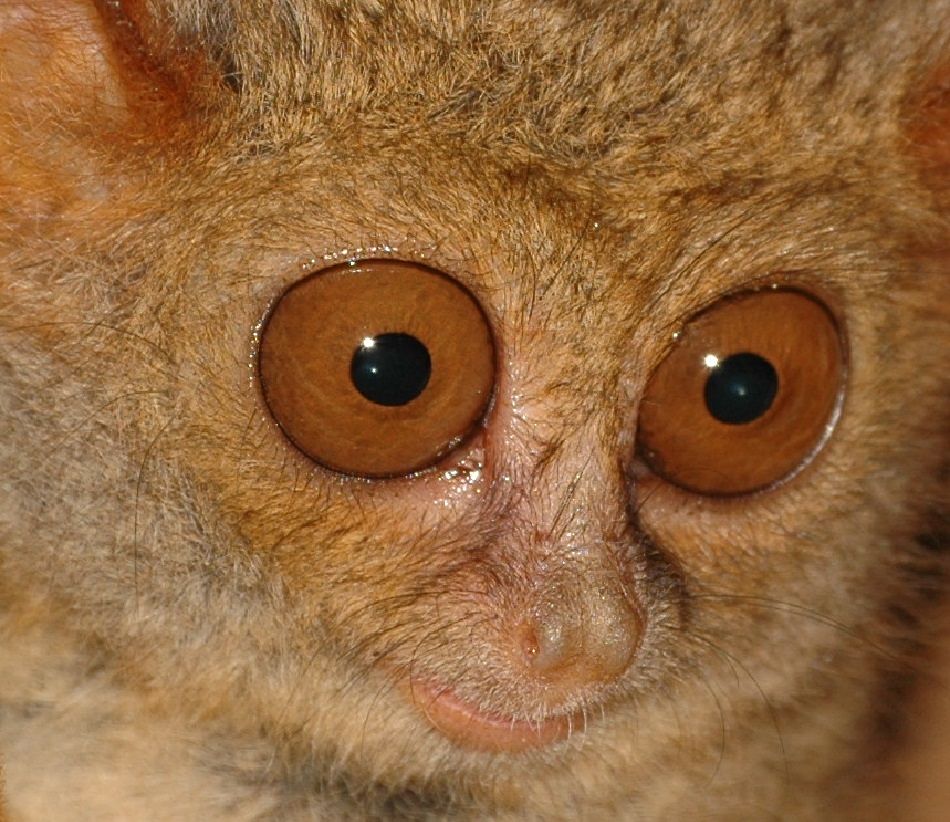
197,624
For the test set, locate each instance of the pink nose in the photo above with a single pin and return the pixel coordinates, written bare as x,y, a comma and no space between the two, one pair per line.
579,634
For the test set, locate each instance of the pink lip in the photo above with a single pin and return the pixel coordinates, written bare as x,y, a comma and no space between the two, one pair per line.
470,728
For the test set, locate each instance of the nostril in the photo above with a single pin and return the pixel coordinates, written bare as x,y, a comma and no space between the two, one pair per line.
527,635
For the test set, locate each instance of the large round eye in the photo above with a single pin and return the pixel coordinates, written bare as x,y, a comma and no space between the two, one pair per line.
376,368
747,395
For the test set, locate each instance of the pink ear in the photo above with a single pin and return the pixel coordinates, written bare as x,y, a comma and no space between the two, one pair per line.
56,51
59,81
80,96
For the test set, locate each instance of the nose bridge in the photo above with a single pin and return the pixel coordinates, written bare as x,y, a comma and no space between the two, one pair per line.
578,494
570,528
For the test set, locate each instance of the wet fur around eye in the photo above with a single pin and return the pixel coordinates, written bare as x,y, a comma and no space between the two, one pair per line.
199,621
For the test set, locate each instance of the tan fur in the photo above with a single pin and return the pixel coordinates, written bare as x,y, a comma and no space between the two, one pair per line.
197,624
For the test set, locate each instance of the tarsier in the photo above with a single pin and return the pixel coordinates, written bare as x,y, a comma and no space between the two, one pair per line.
475,410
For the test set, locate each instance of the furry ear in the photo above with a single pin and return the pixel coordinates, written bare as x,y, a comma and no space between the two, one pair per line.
82,93
55,53
928,119
60,94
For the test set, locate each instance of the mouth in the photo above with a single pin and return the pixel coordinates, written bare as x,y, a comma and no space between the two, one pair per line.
469,727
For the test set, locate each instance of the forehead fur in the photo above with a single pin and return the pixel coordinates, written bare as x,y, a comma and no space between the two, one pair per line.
566,82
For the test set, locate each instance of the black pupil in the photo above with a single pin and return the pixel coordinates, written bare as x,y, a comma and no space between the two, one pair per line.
741,388
391,369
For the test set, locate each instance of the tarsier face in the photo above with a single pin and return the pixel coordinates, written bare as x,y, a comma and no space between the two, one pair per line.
497,410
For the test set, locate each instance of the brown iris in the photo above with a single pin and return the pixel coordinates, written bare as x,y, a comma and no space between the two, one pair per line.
747,395
376,368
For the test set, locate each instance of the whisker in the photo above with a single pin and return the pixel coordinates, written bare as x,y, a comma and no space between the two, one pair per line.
139,483
737,664
795,609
